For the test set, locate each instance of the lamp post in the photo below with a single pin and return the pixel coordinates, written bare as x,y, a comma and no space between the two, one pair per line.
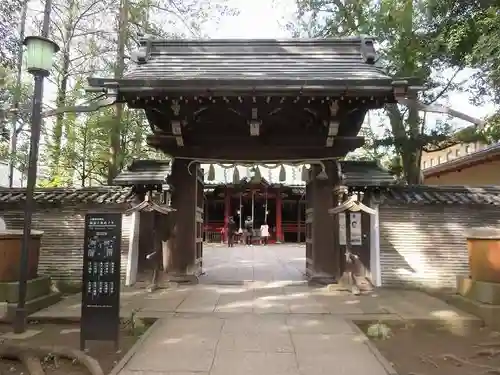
40,53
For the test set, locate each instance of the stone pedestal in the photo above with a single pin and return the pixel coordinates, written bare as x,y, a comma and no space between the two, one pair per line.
479,298
481,291
39,295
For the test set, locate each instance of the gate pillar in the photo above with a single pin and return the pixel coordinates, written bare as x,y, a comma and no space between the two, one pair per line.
185,247
200,219
322,248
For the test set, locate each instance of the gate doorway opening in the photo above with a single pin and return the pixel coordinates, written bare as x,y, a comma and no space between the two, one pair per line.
281,207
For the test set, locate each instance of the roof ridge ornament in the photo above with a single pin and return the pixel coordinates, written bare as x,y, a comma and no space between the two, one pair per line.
143,54
368,50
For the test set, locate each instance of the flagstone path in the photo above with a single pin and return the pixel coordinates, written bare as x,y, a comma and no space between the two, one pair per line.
253,314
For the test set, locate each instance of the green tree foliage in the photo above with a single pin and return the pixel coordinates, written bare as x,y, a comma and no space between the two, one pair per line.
97,38
10,11
8,95
412,43
470,32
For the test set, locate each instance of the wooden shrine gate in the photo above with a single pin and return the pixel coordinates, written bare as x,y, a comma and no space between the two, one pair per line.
252,102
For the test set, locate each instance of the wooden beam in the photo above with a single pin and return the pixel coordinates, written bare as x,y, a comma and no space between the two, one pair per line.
223,140
237,152
436,108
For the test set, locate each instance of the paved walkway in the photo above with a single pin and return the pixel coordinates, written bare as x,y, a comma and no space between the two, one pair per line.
244,344
224,265
266,326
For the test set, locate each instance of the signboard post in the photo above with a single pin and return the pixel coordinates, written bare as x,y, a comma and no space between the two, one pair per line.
100,318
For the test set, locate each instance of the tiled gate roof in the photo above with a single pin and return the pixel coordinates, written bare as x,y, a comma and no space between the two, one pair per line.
144,172
61,196
388,195
441,195
316,64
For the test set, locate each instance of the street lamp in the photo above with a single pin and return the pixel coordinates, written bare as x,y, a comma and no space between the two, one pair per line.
40,53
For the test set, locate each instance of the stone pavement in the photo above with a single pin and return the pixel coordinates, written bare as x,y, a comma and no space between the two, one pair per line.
223,265
275,326
244,344
272,328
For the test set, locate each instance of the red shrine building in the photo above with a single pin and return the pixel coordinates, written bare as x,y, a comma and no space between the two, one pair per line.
271,194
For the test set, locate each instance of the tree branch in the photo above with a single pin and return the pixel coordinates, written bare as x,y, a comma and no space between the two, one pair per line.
446,87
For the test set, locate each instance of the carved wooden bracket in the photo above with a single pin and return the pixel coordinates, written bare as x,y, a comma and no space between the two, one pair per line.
176,124
254,123
332,124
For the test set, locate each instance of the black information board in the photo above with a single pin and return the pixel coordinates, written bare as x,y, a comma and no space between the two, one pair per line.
101,278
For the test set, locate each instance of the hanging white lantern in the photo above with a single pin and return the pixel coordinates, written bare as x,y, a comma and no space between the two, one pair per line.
211,173
282,176
236,176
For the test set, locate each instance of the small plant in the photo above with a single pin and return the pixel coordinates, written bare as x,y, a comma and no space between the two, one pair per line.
379,331
135,326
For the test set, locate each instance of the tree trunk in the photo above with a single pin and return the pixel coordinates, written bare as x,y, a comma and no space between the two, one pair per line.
62,91
412,150
60,102
114,140
407,143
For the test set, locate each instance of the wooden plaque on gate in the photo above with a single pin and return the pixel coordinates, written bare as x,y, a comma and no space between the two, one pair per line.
100,318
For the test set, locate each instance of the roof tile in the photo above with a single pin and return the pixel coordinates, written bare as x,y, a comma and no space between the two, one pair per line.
419,195
143,172
58,196
296,60
441,195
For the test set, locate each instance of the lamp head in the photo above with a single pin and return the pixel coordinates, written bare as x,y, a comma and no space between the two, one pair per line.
40,53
